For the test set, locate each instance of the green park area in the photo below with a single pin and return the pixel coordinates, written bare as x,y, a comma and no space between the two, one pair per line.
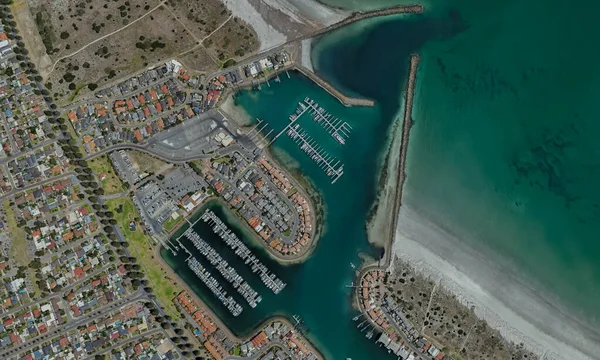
171,223
111,182
143,248
18,250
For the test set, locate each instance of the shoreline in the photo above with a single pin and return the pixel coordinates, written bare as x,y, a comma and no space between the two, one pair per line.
379,220
518,312
240,339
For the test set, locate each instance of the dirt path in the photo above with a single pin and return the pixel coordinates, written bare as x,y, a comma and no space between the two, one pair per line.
33,42
105,36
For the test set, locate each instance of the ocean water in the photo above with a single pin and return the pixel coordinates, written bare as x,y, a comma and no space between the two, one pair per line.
317,289
502,153
504,150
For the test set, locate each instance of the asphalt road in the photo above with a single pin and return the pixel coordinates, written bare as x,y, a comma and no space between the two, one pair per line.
84,319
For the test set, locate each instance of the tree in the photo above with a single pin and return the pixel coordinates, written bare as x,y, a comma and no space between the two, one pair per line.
35,264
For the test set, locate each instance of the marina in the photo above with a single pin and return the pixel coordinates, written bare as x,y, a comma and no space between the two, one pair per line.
269,279
227,271
234,308
338,129
329,164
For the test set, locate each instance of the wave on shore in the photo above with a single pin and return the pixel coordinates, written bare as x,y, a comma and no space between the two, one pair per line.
507,305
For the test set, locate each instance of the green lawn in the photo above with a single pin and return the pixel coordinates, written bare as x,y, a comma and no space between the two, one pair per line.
142,247
18,250
171,223
111,184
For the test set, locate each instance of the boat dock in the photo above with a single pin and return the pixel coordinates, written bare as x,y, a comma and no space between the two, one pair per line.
270,280
227,271
338,129
329,164
208,280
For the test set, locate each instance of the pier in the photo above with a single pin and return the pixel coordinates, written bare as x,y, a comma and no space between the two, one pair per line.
326,162
338,129
227,271
269,279
378,269
213,285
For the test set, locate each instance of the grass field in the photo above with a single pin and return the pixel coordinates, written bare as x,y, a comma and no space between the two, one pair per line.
18,250
171,223
143,248
111,184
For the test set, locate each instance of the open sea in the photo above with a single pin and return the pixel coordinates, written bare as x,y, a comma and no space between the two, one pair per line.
503,153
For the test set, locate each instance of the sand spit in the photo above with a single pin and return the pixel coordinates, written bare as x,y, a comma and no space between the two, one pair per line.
507,305
305,59
277,21
268,36
309,12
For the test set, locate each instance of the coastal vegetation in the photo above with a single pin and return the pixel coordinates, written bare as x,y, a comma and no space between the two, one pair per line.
438,315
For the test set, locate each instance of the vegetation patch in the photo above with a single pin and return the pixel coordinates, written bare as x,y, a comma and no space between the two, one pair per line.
111,182
142,247
18,250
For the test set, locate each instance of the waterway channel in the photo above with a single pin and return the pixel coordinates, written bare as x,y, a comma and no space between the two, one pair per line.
316,290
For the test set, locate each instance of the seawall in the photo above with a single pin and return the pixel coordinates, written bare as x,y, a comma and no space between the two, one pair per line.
346,100
363,15
401,176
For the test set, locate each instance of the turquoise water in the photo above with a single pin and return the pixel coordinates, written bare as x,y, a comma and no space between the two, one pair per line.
506,131
317,289
502,153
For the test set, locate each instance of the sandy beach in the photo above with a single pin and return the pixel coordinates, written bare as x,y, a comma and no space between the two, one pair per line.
305,59
503,301
309,11
268,36
277,21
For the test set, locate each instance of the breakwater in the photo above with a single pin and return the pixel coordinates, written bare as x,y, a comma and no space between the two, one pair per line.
346,100
363,15
401,178
407,123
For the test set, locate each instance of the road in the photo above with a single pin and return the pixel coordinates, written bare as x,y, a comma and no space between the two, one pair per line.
232,185
126,341
62,291
265,350
28,150
34,185
82,320
174,160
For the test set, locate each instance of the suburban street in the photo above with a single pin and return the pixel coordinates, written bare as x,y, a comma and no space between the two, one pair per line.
138,295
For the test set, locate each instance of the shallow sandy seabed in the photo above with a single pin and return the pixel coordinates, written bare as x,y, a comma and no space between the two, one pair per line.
507,305
268,36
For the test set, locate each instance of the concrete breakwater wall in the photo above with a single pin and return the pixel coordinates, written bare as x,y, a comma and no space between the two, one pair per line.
346,100
407,124
362,15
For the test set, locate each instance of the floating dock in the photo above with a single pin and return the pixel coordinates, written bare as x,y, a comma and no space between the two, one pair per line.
270,280
338,129
208,280
227,271
329,164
